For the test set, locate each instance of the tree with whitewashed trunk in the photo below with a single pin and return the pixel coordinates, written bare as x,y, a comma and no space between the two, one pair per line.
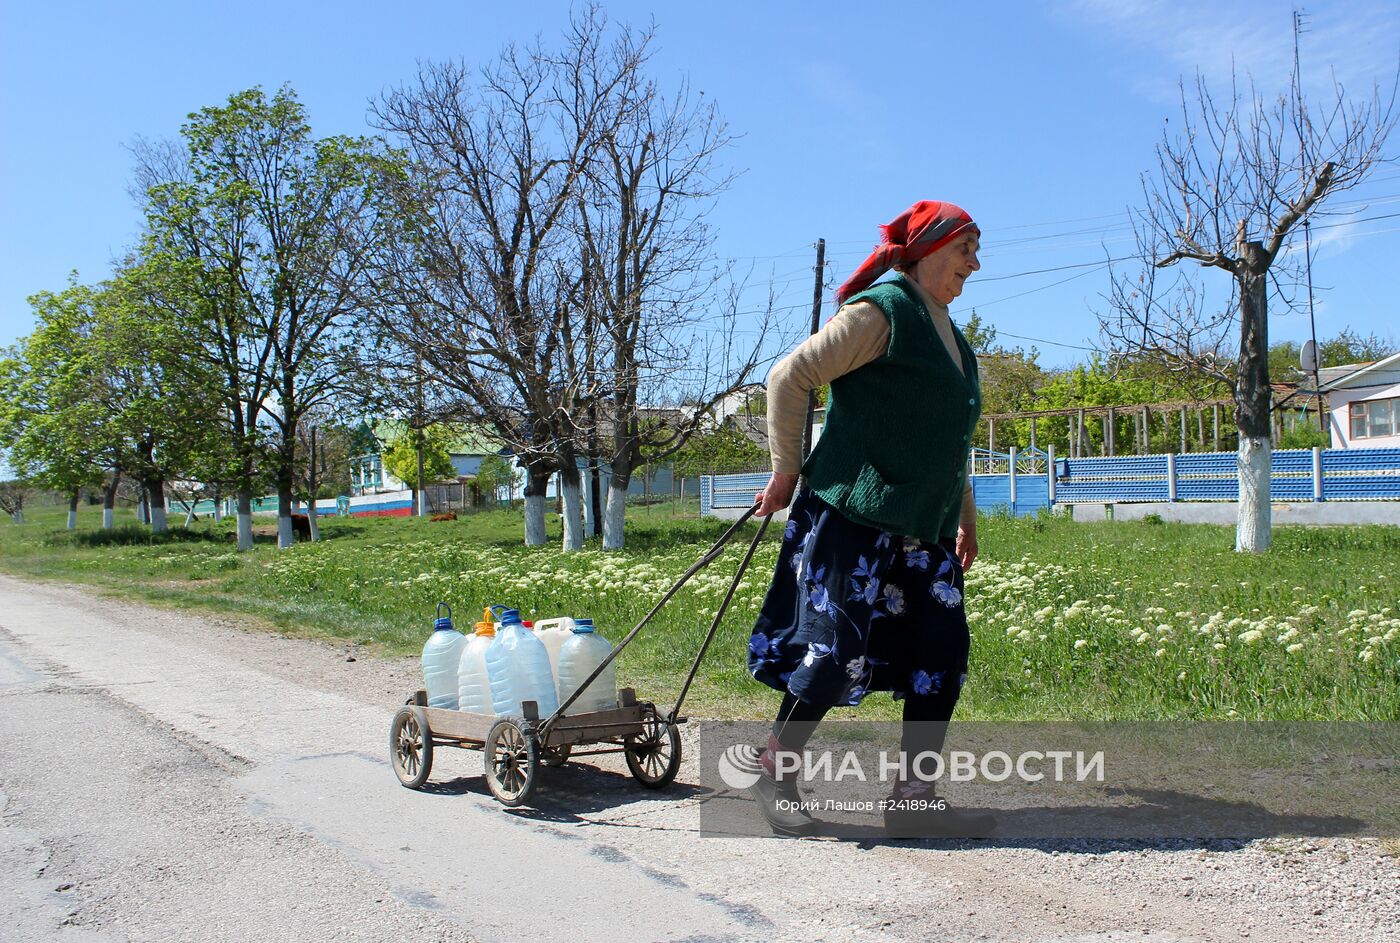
161,397
479,284
279,225
323,457
13,493
1234,184
59,406
665,329
49,428
198,234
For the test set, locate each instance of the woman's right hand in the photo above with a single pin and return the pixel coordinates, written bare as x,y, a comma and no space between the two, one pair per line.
777,494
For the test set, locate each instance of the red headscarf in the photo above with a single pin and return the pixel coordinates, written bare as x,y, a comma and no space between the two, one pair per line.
920,230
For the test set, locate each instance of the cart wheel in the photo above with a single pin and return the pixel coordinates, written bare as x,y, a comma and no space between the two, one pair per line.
556,756
654,755
411,746
511,758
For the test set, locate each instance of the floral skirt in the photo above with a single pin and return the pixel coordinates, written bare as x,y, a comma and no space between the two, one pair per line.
853,609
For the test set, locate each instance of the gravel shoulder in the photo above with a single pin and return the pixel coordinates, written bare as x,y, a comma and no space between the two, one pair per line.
217,797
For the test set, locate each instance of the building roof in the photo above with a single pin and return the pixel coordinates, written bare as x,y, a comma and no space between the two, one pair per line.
1353,374
754,427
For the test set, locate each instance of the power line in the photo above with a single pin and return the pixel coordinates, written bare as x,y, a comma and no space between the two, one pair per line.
1090,268
1041,340
1031,291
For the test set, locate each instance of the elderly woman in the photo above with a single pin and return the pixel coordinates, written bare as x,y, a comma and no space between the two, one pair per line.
867,595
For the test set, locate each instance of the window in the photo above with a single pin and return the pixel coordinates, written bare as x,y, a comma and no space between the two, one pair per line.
1377,417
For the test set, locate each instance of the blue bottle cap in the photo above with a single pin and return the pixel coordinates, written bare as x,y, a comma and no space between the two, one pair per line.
583,625
444,625
510,617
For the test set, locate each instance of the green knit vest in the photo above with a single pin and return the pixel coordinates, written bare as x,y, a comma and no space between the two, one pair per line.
893,452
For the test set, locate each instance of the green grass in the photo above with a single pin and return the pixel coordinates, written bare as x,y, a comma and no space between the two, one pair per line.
1113,620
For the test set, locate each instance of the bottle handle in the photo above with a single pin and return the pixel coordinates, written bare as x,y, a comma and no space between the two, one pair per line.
497,611
439,610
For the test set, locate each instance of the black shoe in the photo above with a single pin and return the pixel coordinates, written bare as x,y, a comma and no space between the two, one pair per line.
781,806
929,821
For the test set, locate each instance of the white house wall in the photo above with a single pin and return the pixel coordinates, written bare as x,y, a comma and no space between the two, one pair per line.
1341,400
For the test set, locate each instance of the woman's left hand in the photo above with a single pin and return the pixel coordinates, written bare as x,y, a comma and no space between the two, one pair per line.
966,548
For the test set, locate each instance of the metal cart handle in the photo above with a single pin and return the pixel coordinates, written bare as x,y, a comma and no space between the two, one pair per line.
704,561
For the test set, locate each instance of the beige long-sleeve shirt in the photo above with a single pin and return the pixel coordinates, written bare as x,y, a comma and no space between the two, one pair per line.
857,335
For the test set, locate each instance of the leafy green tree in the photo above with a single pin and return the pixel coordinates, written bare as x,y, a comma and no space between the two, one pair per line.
401,460
717,450
161,397
52,418
1346,347
494,473
272,228
1350,347
1284,358
1304,435
981,337
1097,383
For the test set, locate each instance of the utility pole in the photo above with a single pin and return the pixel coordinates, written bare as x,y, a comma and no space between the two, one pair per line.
1312,324
816,323
1298,29
420,492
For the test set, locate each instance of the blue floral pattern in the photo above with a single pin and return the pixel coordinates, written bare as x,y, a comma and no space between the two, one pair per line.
853,609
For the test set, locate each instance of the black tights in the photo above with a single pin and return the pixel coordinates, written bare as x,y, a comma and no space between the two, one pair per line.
925,721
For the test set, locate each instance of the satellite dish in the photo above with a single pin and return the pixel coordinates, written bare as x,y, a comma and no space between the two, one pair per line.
1308,359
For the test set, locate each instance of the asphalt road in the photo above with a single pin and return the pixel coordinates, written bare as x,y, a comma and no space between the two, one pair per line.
166,776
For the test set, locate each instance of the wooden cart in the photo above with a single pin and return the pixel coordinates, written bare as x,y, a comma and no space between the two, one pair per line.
516,745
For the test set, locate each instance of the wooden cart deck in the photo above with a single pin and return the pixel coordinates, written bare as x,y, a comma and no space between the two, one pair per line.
463,728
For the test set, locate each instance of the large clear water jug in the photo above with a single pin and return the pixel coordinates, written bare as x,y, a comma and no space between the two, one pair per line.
518,667
582,653
554,633
473,682
441,655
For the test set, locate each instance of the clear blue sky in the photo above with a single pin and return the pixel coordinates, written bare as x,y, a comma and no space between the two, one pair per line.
1038,118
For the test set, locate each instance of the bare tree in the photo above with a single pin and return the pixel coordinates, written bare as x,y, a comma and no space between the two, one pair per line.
651,285
553,269
1231,187
13,493
323,455
479,283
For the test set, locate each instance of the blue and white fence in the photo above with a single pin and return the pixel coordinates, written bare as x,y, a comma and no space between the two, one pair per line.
729,493
1298,475
1026,482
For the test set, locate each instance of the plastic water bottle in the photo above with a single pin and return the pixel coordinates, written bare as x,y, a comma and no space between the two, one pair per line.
441,655
518,667
581,654
473,682
554,633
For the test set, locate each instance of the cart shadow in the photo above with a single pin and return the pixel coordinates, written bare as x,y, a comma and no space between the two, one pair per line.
566,794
